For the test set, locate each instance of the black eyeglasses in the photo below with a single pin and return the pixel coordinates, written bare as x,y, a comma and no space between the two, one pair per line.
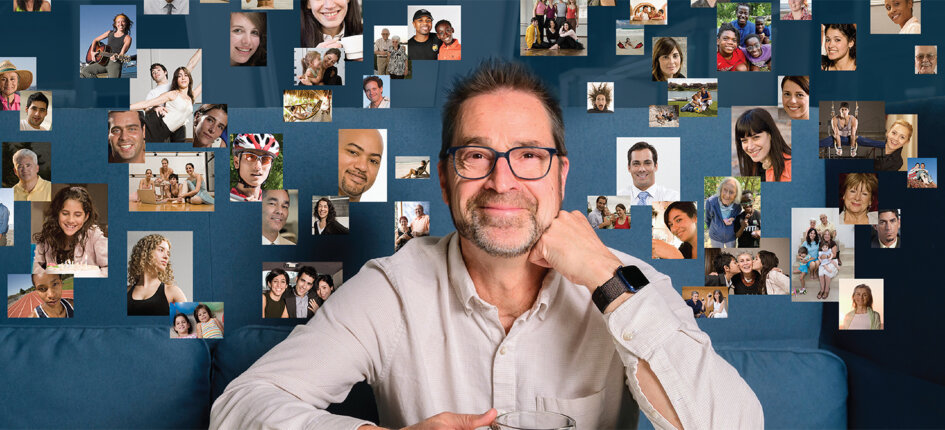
477,162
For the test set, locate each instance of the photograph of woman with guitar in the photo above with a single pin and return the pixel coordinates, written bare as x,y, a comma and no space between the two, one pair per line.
107,52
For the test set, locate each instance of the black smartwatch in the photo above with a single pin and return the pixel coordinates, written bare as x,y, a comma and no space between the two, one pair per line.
626,279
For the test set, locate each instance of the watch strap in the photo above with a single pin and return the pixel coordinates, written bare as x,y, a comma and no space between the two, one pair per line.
625,279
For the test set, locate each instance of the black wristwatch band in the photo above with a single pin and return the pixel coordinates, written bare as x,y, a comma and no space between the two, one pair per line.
626,279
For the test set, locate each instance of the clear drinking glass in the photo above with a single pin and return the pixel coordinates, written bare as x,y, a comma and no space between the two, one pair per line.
533,420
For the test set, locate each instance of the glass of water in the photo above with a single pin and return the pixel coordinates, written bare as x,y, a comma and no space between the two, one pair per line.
533,420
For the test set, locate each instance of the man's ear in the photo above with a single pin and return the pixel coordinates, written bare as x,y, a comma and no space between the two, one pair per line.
441,169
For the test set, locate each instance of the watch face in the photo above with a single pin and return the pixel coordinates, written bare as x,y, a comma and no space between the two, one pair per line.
633,278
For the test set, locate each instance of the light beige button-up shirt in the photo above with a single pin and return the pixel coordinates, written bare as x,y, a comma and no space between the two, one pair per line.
413,326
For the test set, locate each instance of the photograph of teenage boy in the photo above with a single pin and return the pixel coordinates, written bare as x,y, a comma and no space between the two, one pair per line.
381,54
301,301
794,98
698,309
926,59
681,220
642,159
256,156
852,129
276,211
757,53
899,144
374,97
166,7
492,246
360,163
600,97
153,271
728,56
13,80
747,224
422,45
31,186
895,17
48,290
210,122
746,19
762,145
325,23
796,10
126,131
109,52
6,217
450,48
859,198
839,47
669,58
885,234
248,39
724,267
329,215
31,6
38,109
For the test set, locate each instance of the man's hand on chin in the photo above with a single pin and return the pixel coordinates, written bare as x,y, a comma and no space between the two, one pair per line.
449,421
571,247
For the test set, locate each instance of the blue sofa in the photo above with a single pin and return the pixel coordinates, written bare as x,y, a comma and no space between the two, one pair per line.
123,377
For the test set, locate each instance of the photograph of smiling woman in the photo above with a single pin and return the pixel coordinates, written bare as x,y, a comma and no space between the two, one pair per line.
839,47
669,58
760,147
325,22
247,39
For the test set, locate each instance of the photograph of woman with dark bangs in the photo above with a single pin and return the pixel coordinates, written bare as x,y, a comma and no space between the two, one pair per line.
325,22
760,147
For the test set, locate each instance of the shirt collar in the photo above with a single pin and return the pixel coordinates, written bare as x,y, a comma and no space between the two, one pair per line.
465,290
337,36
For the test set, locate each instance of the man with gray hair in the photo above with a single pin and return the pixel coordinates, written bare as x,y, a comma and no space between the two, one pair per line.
31,186
522,303
381,56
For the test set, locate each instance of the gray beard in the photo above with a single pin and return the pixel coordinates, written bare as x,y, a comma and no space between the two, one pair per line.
473,230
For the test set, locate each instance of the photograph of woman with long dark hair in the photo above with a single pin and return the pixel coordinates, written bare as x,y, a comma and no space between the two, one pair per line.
840,46
323,219
760,147
247,39
668,59
179,107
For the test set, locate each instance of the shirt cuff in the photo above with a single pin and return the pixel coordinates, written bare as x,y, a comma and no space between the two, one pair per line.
643,322
330,421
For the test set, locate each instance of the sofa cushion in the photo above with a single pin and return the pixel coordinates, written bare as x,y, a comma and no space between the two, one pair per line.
797,387
106,377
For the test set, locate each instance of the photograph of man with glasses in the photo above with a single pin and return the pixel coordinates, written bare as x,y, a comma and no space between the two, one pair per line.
253,157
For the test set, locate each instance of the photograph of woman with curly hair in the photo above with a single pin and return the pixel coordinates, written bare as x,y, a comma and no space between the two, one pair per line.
325,216
151,284
70,240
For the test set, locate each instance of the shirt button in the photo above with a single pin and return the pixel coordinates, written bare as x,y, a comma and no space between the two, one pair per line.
627,335
502,351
